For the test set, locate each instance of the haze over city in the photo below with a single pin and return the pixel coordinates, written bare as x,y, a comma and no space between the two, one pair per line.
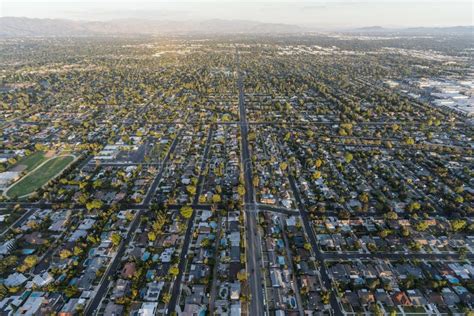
318,14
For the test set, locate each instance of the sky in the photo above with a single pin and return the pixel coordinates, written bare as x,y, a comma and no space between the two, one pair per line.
316,13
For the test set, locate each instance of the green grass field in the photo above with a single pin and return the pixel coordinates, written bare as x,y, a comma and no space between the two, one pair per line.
32,161
39,177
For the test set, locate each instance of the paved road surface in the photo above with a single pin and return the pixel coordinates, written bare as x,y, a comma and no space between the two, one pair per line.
312,238
175,292
156,181
19,221
92,307
254,263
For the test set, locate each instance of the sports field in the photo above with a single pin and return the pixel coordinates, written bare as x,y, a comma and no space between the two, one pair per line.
32,161
39,176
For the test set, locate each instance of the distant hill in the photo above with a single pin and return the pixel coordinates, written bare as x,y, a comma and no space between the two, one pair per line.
370,28
27,27
19,27
466,30
460,30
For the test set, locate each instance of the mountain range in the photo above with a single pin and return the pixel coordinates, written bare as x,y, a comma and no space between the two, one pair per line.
21,27
29,27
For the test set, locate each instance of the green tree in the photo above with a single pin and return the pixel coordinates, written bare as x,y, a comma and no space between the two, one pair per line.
458,224
186,211
151,236
364,197
216,198
94,204
115,238
71,291
414,206
174,270
65,253
30,261
391,215
166,297
318,162
241,190
409,141
348,157
191,189
78,250
242,276
421,226
255,181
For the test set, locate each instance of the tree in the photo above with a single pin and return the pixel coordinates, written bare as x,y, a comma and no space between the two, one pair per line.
129,216
65,253
40,147
459,189
174,270
92,239
384,233
459,199
115,238
191,189
71,291
462,253
216,198
318,162
94,204
378,311
7,263
304,290
373,283
409,141
186,211
316,175
458,224
159,223
391,215
241,190
348,157
78,250
405,232
422,226
409,282
283,166
166,297
325,296
205,243
3,291
372,247
242,276
255,181
364,197
357,244
414,206
344,214
151,236
28,263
